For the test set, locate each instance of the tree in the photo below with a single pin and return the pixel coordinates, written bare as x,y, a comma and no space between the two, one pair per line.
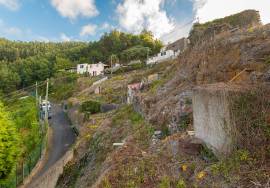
9,80
62,63
24,115
135,53
9,144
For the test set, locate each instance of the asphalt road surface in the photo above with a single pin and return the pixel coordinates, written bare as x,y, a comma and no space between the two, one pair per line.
62,138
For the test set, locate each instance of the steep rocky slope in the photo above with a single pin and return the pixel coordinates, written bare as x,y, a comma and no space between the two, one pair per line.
175,158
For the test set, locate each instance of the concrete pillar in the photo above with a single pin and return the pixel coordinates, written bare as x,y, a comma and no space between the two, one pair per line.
213,123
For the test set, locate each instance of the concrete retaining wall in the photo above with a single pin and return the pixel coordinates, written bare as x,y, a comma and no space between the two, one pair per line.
100,81
213,123
49,179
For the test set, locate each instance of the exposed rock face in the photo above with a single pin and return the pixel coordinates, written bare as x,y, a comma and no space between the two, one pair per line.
213,122
213,61
233,23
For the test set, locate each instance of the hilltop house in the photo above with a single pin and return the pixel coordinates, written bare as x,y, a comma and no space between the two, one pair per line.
169,52
91,69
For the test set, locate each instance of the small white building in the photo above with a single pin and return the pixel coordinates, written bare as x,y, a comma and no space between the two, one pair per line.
91,69
171,51
164,55
82,68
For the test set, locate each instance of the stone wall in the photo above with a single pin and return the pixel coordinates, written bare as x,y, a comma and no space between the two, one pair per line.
213,123
49,179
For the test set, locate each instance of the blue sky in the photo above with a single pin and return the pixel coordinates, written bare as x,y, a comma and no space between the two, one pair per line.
87,20
51,20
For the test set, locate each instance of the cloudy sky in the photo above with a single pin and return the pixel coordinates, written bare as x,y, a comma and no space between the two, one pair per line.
87,20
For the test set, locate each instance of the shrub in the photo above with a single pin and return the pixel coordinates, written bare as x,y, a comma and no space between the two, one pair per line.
165,182
181,184
91,107
9,148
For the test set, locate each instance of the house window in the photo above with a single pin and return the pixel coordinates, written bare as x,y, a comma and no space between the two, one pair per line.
81,66
90,66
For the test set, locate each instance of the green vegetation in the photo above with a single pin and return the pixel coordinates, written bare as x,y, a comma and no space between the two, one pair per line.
136,52
208,154
129,68
185,122
25,116
232,164
243,19
267,60
9,144
254,129
21,140
24,63
181,183
155,85
63,85
165,182
122,45
91,107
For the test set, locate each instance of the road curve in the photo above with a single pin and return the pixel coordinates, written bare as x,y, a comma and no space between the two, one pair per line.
62,138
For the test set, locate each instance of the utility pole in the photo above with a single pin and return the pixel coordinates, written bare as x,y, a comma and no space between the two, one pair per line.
46,99
37,94
111,65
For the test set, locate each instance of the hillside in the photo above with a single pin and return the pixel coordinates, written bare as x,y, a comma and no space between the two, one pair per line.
22,64
173,157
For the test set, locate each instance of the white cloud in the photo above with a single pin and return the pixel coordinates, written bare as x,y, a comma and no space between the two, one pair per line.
74,8
64,37
87,30
207,10
136,15
181,30
6,30
10,4
105,26
13,31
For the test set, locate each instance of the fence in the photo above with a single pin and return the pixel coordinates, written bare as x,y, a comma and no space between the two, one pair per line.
24,168
49,179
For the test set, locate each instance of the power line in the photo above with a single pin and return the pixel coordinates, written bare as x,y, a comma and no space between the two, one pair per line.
181,26
22,91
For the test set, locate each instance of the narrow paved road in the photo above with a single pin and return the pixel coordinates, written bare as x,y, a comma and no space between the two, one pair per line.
62,138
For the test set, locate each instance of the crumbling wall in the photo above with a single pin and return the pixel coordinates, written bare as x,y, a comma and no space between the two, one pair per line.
213,123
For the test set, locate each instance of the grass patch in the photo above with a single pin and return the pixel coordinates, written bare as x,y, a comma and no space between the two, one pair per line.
155,85
232,164
267,60
208,155
91,107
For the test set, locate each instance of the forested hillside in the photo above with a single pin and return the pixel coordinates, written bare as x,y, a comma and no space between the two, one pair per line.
24,63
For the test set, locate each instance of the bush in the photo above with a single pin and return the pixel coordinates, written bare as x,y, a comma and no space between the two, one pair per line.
91,107
9,145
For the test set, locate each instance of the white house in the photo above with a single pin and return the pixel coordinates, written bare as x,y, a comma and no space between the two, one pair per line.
91,69
82,68
171,51
164,55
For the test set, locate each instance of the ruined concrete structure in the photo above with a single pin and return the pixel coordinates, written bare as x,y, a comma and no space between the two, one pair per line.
213,122
132,90
179,45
